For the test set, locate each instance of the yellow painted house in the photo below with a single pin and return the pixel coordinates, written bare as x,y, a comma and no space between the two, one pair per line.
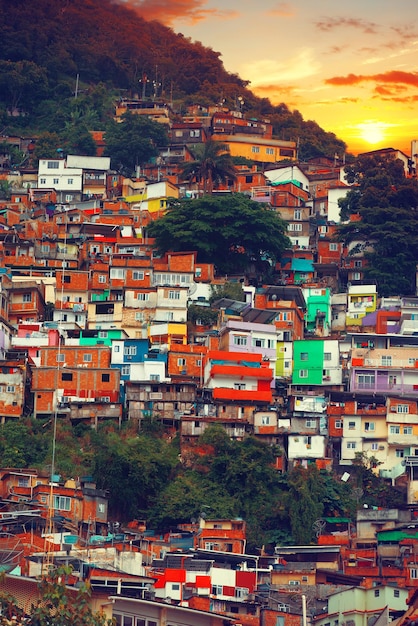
257,148
153,198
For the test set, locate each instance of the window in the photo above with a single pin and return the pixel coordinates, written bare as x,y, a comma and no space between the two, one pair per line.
366,381
407,430
181,362
310,423
174,295
402,408
399,453
358,263
258,343
27,297
241,592
216,589
53,165
55,181
66,376
125,370
239,385
70,181
23,481
369,426
269,150
386,360
413,573
338,423
60,358
351,445
101,507
155,377
10,388
303,373
396,593
67,279
333,247
295,227
327,356
297,214
62,503
304,356
117,272
87,358
376,593
394,430
105,378
138,275
129,350
255,149
374,447
142,297
240,340
102,278
294,583
265,420
351,425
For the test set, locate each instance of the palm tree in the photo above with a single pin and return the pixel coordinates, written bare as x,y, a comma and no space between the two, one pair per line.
212,165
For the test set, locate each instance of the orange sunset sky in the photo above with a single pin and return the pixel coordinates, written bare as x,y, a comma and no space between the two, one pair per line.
352,66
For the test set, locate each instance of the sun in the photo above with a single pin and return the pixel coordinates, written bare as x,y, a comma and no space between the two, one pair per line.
372,132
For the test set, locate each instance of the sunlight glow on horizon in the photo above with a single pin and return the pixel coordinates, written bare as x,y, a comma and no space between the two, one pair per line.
372,132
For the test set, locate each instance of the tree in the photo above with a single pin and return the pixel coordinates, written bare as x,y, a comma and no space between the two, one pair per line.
135,469
304,504
387,204
212,165
23,84
231,231
133,141
58,605
227,290
47,145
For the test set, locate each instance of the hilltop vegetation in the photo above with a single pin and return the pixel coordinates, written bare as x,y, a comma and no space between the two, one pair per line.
105,51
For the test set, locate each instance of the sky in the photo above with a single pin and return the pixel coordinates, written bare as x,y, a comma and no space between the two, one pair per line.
350,66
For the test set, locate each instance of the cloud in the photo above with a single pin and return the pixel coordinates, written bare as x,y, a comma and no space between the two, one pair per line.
393,77
168,11
270,72
282,9
331,23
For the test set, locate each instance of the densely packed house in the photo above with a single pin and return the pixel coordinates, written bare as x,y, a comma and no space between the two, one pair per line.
95,325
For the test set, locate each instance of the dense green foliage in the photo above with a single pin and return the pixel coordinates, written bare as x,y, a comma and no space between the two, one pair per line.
232,231
101,50
387,203
149,479
133,142
212,165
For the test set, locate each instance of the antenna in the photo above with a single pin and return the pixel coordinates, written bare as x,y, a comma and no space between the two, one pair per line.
49,526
